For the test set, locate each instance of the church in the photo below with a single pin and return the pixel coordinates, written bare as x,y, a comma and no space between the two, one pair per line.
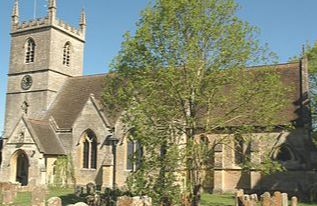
52,110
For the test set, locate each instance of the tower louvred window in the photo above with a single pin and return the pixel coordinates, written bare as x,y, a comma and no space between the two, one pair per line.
66,54
30,51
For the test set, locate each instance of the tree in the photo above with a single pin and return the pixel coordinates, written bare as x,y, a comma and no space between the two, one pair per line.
183,74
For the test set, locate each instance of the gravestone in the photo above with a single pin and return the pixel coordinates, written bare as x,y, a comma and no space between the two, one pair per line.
254,197
54,201
90,188
141,201
266,199
78,191
124,201
238,197
294,201
38,196
277,198
284,199
8,197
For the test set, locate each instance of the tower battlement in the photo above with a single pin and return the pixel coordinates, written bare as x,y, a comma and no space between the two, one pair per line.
49,21
45,22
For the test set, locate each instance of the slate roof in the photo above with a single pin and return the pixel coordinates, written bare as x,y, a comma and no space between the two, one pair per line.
290,75
72,98
76,91
295,111
45,137
291,78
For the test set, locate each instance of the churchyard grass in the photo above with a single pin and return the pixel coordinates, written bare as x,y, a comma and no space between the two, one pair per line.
23,199
67,196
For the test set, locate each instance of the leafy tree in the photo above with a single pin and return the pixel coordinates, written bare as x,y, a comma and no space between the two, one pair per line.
183,74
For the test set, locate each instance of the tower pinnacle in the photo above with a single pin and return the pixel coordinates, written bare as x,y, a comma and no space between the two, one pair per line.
52,10
15,13
83,21
52,4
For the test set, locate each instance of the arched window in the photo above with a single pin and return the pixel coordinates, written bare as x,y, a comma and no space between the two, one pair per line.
134,155
89,144
238,150
29,51
241,150
66,54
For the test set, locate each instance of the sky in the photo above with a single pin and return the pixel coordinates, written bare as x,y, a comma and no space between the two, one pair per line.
284,24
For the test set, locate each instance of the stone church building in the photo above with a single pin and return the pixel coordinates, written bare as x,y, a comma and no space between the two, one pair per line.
53,110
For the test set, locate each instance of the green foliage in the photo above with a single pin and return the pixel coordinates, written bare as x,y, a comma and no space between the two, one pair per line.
182,73
64,171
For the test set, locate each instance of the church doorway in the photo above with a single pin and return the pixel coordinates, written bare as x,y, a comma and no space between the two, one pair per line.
20,167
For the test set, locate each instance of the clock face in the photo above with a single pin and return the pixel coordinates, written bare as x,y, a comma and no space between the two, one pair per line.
26,82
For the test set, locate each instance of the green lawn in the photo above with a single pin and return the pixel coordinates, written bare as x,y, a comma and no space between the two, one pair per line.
66,194
221,200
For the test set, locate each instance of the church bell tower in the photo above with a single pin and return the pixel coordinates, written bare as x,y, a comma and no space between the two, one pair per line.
44,53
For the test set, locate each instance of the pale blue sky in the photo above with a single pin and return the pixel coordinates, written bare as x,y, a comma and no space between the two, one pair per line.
285,25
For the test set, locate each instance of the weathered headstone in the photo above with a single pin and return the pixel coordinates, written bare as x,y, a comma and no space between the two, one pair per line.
238,197
254,197
38,196
266,199
147,201
78,191
90,188
277,198
284,199
54,201
124,201
141,201
7,197
294,201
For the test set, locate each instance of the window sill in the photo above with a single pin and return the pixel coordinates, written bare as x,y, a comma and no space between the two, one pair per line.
88,169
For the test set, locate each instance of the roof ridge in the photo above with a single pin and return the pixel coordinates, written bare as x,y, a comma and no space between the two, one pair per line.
277,65
89,75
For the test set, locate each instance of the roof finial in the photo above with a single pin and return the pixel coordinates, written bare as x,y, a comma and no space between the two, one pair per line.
15,12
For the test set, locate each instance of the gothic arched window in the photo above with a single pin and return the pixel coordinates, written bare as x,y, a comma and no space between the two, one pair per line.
134,155
89,144
66,54
29,51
